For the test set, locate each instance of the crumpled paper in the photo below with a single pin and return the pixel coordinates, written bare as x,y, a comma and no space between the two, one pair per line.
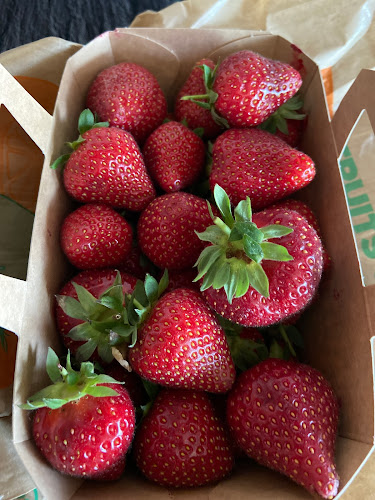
338,35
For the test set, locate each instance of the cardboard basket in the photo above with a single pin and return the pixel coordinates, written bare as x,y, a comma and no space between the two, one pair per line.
337,328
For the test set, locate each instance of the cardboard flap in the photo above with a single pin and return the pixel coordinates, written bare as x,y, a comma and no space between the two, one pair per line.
359,97
32,117
36,122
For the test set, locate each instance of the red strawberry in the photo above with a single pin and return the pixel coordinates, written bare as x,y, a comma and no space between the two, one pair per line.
181,442
128,96
287,122
181,344
94,339
108,167
84,423
166,229
247,88
174,156
249,278
302,208
95,236
251,87
196,116
255,163
284,415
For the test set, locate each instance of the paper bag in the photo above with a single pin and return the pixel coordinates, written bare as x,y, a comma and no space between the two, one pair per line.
344,45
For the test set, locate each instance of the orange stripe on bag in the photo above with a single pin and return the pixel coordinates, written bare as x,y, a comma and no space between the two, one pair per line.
328,87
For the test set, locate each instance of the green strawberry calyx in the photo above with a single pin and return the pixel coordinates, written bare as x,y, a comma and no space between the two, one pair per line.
287,111
69,384
86,121
113,318
207,100
237,248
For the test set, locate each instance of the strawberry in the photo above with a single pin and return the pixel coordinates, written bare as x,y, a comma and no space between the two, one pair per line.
167,229
95,236
287,122
174,156
248,278
181,344
84,423
303,209
246,88
196,116
255,163
284,415
128,96
87,326
107,166
181,442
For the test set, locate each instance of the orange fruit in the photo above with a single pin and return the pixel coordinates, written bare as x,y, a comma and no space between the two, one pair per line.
21,160
8,348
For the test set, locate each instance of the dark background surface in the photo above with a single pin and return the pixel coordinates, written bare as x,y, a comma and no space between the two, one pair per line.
24,21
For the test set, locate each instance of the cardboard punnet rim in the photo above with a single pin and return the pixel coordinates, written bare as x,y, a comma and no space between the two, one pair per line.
160,35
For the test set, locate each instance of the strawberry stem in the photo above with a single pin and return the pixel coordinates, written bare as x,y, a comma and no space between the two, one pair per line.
238,246
69,385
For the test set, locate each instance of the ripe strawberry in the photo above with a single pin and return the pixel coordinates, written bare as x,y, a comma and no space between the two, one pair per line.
284,415
174,156
108,167
181,344
255,163
181,442
128,96
248,278
196,116
287,122
84,423
166,229
88,328
95,236
247,88
303,209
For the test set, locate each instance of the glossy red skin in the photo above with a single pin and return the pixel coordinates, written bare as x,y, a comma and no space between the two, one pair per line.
181,441
166,229
108,167
284,415
292,284
96,281
174,156
89,437
95,236
256,163
128,96
195,116
182,345
251,87
302,208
